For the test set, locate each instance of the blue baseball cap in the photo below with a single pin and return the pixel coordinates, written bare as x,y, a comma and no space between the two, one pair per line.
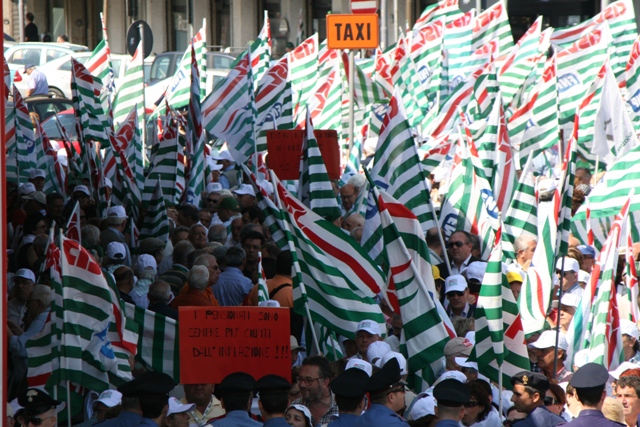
587,250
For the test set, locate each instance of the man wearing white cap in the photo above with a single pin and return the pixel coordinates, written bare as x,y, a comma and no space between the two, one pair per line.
116,223
23,282
246,196
630,344
107,405
568,306
37,177
545,351
228,176
178,413
569,277
457,293
210,202
368,332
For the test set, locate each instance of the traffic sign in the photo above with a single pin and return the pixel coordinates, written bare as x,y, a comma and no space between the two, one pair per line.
133,37
364,6
358,31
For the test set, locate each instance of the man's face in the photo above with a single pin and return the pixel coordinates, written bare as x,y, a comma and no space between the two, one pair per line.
198,237
545,358
580,177
211,202
38,182
459,248
363,340
515,288
566,314
312,386
523,401
252,247
396,398
200,394
457,299
568,280
46,419
55,208
236,228
630,402
527,254
246,200
205,218
628,341
224,214
180,419
348,196
23,288
214,271
587,263
350,223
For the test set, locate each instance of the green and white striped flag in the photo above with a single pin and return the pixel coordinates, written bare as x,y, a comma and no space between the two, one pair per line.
274,102
303,71
367,89
521,217
500,339
456,53
631,91
426,55
197,137
325,103
25,138
332,275
263,289
85,92
260,51
607,198
329,344
130,96
397,168
447,9
493,23
156,222
158,340
424,333
9,129
315,189
605,343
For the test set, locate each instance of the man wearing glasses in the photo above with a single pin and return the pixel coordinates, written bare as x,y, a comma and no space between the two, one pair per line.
459,249
529,390
569,277
39,408
313,380
457,293
386,390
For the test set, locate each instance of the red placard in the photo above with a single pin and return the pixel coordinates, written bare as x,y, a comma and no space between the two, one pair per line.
217,341
285,146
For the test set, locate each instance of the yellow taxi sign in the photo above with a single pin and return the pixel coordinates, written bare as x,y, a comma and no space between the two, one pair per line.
358,31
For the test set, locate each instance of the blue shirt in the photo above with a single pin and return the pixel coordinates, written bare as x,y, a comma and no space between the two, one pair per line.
540,417
147,422
345,420
447,423
232,287
380,416
38,82
124,419
17,343
592,418
276,422
237,418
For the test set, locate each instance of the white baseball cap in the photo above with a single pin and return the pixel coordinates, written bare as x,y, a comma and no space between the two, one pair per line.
570,264
107,182
146,262
110,398
583,276
245,189
624,366
359,364
376,350
569,300
224,155
269,303
476,270
581,358
370,326
211,163
175,407
36,173
25,273
548,339
27,188
116,251
266,186
423,406
399,357
116,212
627,327
214,187
464,362
455,283
82,189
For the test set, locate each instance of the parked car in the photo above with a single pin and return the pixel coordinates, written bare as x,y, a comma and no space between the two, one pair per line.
58,73
37,53
46,107
165,64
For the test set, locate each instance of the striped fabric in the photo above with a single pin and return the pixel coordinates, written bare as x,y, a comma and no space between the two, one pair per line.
156,222
196,182
493,23
25,138
273,102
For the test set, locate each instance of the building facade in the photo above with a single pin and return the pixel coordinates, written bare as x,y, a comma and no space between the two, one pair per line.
232,24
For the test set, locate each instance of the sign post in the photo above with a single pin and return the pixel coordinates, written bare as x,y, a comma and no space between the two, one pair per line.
352,32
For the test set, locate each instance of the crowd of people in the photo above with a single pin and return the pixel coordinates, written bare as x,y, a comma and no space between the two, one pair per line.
212,258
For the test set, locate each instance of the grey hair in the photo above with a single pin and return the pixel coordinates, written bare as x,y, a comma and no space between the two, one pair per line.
115,220
204,259
217,233
160,291
522,242
234,256
42,293
181,252
198,277
91,234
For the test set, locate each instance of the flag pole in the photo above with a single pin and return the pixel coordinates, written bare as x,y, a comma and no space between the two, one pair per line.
351,100
68,405
144,109
500,389
555,350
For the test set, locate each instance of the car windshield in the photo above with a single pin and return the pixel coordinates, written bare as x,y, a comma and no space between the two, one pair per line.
68,122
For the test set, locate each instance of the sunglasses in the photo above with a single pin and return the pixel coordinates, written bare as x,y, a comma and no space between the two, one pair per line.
471,404
548,401
36,421
456,244
455,294
213,200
